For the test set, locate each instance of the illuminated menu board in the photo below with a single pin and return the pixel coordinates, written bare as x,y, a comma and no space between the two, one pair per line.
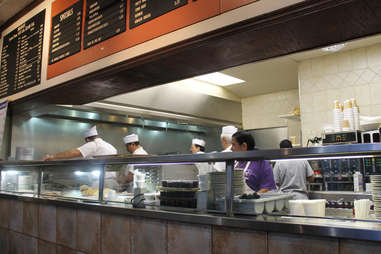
21,56
65,38
142,11
104,19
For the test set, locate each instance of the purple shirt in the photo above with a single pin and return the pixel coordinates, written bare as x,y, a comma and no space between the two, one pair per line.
258,175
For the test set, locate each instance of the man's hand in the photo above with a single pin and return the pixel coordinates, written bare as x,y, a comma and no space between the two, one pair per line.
48,157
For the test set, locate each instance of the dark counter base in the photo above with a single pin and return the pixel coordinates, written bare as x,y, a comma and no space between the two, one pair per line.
30,225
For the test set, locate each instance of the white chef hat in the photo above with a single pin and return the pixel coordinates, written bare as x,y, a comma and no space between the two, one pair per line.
199,142
90,132
229,130
131,138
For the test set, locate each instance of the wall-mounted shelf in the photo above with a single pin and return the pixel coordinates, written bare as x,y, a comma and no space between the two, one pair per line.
290,117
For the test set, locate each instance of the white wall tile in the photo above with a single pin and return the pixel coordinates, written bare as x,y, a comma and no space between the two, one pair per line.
374,55
263,111
344,61
376,110
345,75
375,90
359,58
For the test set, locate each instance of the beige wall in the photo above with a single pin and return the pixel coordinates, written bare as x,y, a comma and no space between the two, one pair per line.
339,76
263,111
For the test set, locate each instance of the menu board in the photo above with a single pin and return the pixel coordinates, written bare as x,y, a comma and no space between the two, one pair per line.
65,38
142,11
21,56
104,19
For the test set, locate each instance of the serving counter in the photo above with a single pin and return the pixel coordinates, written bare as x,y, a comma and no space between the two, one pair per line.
34,219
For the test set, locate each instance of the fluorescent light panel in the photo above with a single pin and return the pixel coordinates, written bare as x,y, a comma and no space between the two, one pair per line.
219,79
334,48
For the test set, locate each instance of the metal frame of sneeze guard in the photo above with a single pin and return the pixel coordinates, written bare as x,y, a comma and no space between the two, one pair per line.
341,151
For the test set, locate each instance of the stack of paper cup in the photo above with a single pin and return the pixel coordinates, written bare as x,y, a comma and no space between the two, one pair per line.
362,208
348,116
356,114
338,117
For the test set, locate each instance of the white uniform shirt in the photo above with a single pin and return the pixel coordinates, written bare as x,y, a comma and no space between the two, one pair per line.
96,148
139,151
130,168
203,168
221,166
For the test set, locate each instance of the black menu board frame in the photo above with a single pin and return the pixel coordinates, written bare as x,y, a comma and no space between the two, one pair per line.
142,11
104,19
21,56
66,33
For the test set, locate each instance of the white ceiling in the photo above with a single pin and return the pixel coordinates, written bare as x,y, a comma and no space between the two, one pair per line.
9,8
264,77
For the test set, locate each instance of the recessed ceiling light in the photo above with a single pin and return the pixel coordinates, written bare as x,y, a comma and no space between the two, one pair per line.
334,48
219,79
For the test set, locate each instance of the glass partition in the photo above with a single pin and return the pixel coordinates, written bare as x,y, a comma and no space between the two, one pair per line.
20,179
190,183
71,181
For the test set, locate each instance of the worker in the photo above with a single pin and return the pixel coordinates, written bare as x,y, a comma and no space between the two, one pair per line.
198,147
291,175
126,177
258,174
94,146
226,143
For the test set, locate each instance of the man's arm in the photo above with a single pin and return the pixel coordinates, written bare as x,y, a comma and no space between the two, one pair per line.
310,172
263,190
73,153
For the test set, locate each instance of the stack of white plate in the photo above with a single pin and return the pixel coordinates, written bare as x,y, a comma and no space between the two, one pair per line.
376,193
218,183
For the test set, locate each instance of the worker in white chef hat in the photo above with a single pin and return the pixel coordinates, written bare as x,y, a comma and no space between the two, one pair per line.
133,145
226,143
126,176
197,146
95,146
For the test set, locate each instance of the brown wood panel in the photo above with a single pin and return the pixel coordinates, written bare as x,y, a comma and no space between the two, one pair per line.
191,13
304,26
227,5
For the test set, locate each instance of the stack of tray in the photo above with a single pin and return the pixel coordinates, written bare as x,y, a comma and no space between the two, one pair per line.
178,193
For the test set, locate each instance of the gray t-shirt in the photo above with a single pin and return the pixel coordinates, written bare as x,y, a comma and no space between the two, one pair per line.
291,176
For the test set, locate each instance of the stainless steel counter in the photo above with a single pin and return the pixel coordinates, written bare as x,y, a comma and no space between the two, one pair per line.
327,227
346,196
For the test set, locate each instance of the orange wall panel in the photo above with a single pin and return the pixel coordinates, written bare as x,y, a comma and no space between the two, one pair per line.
193,12
227,5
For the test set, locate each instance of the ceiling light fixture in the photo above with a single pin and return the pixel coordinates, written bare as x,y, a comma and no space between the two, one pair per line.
334,48
219,79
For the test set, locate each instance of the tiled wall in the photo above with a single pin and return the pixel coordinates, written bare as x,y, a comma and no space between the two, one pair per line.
339,76
30,228
262,111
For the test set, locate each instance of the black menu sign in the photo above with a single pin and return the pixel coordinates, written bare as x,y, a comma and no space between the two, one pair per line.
65,38
21,56
142,11
104,19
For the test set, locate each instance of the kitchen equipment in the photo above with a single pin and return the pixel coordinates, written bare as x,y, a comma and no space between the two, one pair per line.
370,136
24,153
343,137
